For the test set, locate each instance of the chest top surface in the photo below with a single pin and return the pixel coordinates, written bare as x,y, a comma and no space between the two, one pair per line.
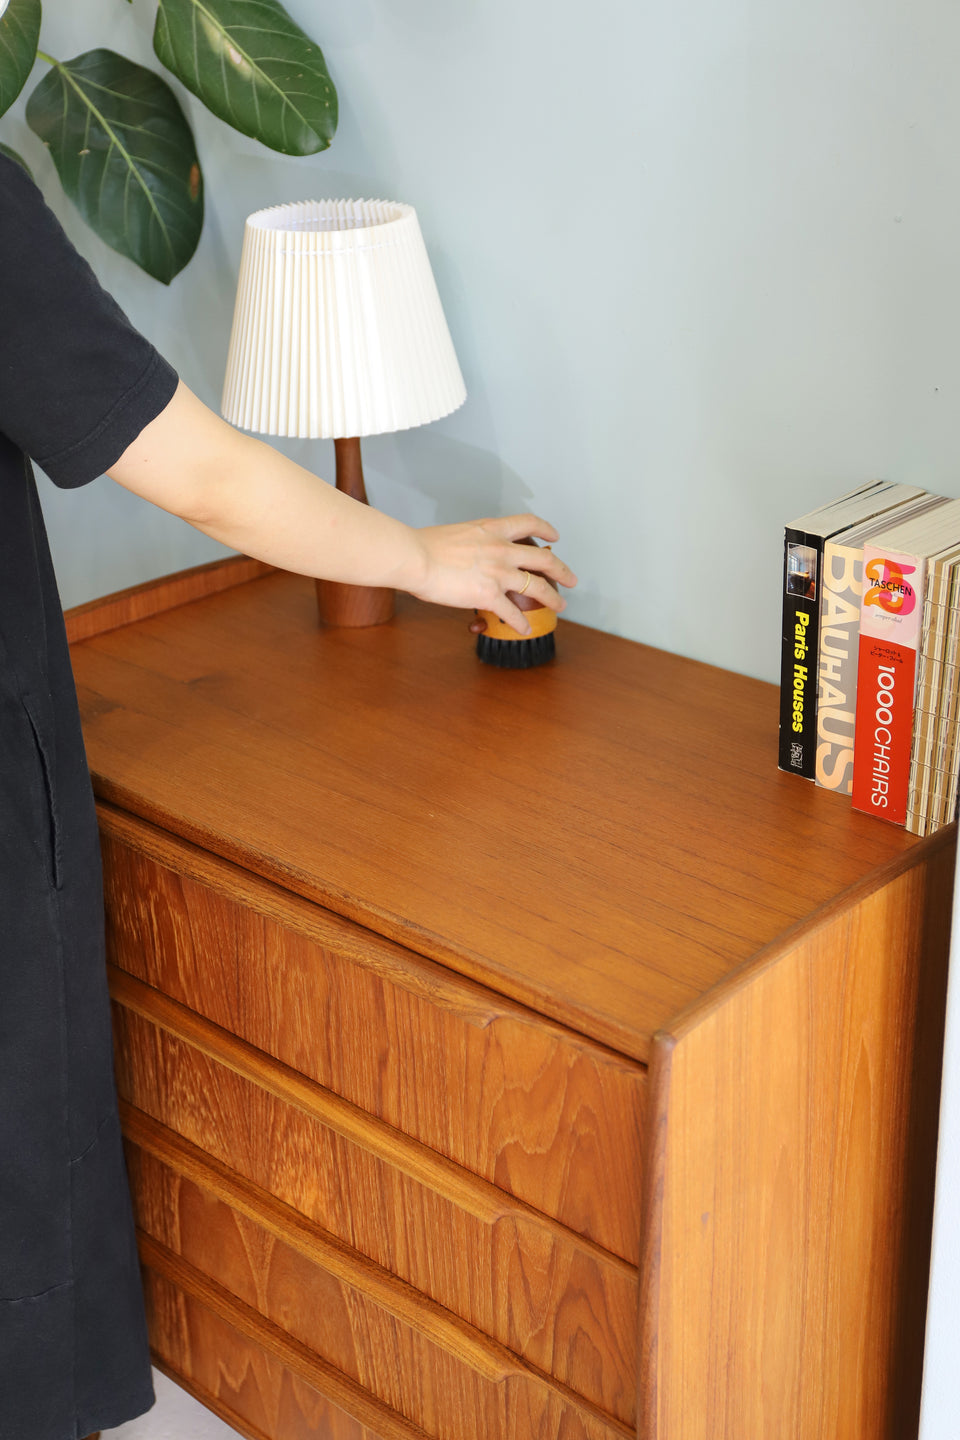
603,838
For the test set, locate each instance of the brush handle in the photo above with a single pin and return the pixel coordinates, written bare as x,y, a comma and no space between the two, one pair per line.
543,621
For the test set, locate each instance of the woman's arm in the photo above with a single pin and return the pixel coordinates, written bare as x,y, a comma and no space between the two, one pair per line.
246,494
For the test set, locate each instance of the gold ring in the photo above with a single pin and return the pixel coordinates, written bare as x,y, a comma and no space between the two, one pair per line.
526,582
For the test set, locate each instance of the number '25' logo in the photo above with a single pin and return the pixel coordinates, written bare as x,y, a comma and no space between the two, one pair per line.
889,589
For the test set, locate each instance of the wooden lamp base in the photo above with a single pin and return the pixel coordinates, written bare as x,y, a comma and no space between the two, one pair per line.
352,605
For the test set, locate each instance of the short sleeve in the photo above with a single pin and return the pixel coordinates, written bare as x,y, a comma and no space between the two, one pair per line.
77,382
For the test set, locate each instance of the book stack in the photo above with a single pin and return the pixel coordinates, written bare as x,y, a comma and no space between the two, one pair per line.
869,698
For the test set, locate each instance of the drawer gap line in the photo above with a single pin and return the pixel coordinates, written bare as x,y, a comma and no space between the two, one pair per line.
470,1192
325,1378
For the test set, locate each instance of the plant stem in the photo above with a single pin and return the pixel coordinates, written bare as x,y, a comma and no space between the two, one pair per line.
49,58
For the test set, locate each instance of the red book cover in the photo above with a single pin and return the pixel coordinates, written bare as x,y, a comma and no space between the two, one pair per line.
884,728
886,680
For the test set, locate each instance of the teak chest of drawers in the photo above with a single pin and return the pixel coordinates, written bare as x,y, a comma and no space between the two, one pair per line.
513,1055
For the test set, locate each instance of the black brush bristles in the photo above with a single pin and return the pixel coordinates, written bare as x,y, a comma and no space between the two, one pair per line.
516,654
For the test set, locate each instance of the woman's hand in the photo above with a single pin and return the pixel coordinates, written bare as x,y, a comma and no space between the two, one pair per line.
479,563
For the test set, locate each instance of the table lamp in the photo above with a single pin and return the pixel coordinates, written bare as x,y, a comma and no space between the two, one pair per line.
338,332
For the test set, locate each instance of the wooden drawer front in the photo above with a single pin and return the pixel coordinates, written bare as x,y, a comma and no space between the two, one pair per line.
263,1384
561,1302
399,1347
536,1109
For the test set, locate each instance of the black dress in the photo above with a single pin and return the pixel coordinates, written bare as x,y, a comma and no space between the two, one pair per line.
77,385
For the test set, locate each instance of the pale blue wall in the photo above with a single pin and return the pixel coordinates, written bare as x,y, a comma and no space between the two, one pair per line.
698,260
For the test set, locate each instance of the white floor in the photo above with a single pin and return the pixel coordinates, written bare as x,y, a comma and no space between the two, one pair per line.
176,1416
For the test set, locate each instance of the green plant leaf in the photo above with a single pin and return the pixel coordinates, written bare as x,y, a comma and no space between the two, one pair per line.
19,35
12,155
125,155
253,67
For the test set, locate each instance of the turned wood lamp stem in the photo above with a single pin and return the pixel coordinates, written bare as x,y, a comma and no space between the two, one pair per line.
352,605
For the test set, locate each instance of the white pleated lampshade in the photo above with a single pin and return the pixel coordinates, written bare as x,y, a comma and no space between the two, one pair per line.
338,329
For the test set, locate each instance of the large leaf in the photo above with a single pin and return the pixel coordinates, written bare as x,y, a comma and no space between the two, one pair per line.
253,67
125,155
19,34
12,155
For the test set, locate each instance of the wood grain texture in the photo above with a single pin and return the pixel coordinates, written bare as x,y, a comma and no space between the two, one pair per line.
601,839
534,1108
553,1298
160,1159
243,1365
153,597
221,1407
413,1369
794,1148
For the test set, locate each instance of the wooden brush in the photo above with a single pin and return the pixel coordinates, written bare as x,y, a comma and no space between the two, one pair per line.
501,645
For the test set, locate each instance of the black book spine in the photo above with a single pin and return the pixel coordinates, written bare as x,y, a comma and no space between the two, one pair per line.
802,565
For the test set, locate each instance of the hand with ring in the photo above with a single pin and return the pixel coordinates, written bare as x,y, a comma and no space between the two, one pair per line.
480,564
